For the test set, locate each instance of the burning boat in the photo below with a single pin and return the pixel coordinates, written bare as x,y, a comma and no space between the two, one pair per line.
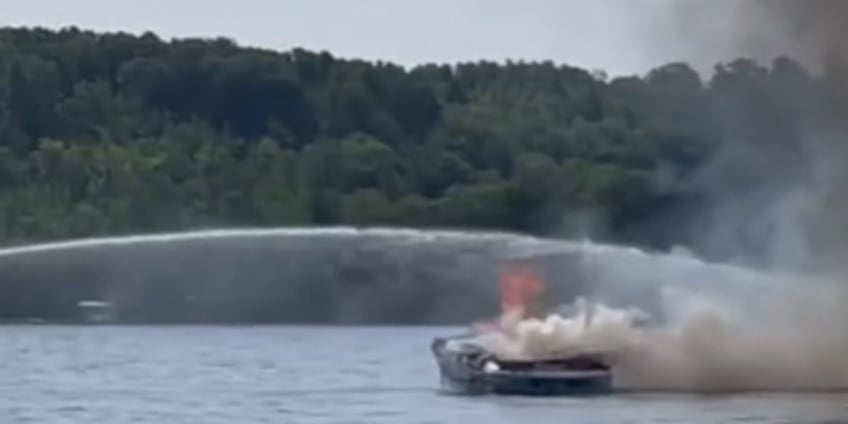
469,367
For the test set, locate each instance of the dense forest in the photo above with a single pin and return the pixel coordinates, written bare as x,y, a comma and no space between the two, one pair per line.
117,133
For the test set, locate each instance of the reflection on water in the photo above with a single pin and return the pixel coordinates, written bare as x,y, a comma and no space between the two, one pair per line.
308,375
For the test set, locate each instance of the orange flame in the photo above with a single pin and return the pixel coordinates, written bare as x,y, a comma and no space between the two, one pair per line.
521,288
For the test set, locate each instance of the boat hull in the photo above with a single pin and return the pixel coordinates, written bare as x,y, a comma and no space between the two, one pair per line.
459,375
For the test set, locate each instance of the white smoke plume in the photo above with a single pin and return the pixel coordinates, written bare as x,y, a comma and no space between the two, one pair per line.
796,342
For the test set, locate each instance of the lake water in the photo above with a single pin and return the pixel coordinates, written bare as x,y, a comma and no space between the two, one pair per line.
229,375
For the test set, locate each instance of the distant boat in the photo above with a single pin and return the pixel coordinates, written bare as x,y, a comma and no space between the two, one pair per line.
468,368
96,311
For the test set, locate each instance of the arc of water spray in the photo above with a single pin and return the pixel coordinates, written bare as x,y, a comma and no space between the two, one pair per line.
234,233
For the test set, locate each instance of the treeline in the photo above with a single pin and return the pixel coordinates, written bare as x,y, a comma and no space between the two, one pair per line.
116,133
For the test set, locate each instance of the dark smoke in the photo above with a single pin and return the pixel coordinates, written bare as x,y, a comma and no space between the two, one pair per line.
777,182
814,28
811,31
815,32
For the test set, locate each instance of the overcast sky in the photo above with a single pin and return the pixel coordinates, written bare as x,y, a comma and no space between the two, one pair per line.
618,36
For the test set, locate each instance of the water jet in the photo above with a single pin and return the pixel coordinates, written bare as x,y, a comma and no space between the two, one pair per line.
325,275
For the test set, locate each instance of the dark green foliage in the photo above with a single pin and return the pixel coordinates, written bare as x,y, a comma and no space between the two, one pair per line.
113,133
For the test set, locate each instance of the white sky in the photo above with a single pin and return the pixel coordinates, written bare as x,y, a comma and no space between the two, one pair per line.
618,36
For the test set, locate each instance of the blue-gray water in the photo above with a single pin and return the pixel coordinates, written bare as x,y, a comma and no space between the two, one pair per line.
231,375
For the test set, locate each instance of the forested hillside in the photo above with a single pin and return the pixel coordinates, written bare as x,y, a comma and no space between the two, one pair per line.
116,133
